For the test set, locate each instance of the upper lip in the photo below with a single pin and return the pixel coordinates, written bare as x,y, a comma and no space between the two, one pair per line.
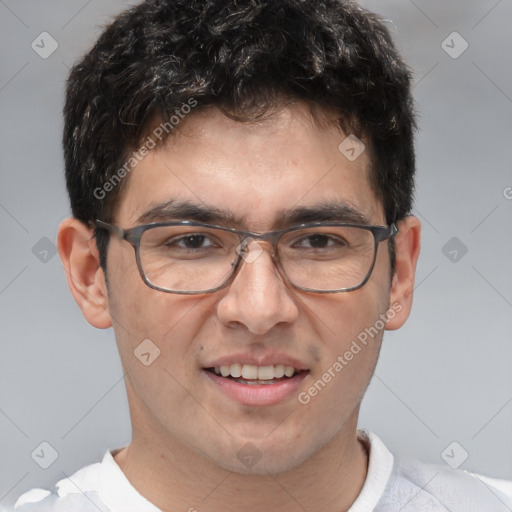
264,360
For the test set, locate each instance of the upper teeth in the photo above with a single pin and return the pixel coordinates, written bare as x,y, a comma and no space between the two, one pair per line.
253,372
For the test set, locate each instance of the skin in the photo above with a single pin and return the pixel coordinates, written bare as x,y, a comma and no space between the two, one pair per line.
186,433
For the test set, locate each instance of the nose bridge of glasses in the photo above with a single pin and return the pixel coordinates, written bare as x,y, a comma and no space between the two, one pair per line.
253,245
250,255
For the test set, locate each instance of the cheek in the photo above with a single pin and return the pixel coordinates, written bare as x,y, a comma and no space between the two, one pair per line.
170,321
339,318
163,326
349,331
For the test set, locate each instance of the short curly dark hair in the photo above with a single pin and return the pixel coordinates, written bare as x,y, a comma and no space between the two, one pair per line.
247,57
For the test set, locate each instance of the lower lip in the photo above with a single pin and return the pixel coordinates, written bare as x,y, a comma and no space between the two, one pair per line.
258,394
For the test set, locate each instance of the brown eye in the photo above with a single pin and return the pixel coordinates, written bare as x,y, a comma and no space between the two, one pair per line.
319,241
191,241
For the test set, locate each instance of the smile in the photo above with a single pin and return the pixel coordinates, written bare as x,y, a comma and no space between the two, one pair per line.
251,372
257,385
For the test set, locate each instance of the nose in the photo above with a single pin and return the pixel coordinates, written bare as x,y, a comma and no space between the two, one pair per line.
258,297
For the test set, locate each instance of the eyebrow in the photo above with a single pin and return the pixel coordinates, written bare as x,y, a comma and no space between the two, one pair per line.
186,210
324,212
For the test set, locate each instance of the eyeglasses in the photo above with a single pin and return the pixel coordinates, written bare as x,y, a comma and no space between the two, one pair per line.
188,257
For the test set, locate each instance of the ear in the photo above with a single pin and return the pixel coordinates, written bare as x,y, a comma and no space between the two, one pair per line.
402,285
86,280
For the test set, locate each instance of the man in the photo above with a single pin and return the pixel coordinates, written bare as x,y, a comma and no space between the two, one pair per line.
258,158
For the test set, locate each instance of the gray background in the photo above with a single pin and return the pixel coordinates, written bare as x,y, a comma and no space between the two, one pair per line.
444,377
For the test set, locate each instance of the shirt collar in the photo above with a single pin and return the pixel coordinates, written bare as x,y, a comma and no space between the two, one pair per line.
380,466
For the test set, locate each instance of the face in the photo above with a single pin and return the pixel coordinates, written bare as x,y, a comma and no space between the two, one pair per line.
257,173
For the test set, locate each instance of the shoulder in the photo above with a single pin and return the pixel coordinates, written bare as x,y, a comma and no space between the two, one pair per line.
419,486
79,492
99,487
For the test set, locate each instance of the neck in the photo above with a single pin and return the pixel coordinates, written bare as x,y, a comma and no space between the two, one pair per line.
173,477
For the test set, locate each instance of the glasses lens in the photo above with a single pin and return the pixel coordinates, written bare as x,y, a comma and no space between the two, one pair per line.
198,259
327,258
187,258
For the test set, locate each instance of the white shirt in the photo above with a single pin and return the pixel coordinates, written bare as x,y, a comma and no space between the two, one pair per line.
391,485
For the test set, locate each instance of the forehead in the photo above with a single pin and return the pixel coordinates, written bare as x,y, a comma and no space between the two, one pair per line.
253,171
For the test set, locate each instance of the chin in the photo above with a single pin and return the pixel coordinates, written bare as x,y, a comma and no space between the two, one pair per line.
260,458
266,465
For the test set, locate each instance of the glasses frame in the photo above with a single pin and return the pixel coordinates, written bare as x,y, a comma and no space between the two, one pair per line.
133,237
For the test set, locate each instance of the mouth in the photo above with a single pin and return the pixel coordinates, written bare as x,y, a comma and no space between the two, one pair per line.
253,375
257,385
